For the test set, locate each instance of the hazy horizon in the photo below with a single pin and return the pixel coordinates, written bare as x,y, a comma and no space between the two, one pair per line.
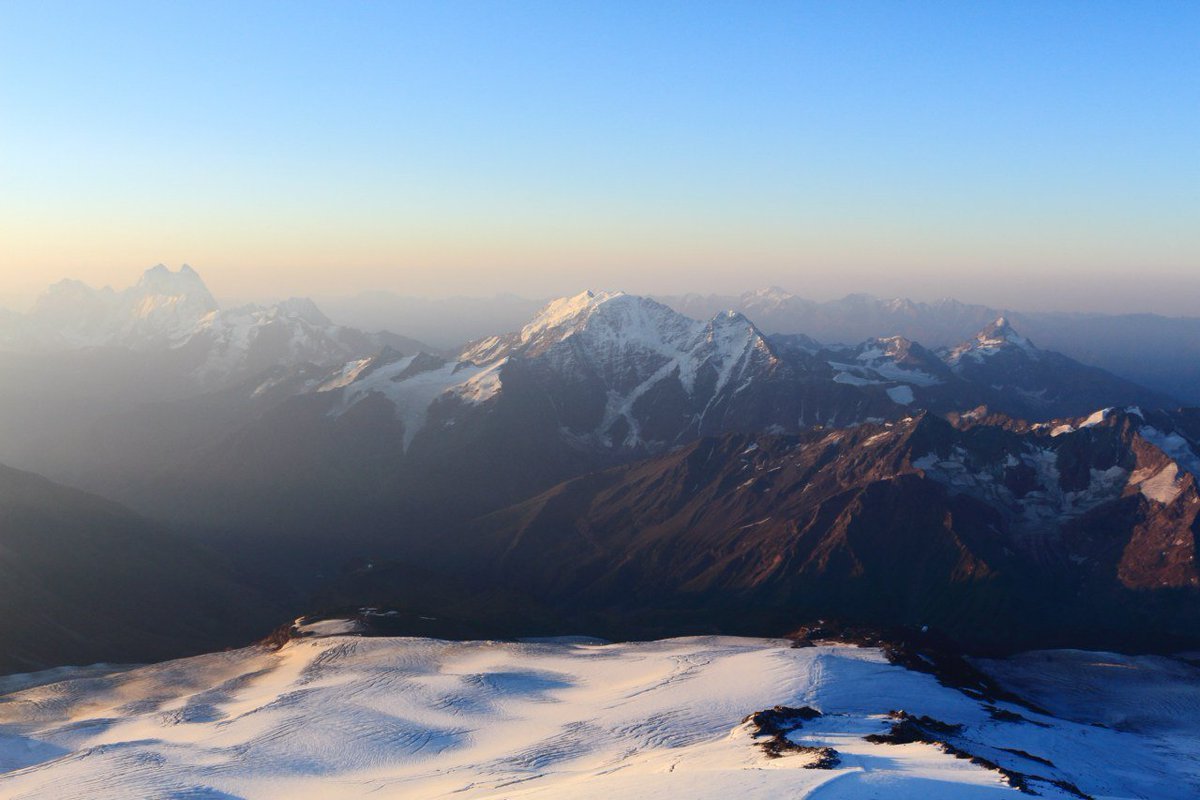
1011,154
1021,299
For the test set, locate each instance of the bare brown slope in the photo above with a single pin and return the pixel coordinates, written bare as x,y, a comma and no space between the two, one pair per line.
871,524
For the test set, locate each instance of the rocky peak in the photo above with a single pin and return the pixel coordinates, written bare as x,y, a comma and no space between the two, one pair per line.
999,336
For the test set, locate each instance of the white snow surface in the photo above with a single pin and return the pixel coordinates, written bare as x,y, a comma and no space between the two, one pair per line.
413,391
349,717
1163,486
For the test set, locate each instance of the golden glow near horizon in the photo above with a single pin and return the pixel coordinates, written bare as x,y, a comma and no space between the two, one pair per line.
468,149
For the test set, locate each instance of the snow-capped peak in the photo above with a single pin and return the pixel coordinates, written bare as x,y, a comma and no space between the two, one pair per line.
768,298
567,314
608,320
165,303
301,308
160,286
999,335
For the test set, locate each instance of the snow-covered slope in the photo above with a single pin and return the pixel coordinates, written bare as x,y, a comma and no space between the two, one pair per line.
626,372
412,384
344,717
632,341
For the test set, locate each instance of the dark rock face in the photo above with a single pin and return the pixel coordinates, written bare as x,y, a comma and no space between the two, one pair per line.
1004,534
776,723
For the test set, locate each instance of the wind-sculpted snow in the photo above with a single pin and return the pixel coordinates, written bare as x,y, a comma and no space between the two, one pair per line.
344,717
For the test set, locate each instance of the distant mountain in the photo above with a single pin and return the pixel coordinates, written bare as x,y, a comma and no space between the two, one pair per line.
174,313
1162,353
84,580
1023,380
628,372
300,446
89,373
913,376
850,319
158,310
1003,533
997,368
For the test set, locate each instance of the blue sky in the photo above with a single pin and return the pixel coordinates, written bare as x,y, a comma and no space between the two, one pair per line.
994,151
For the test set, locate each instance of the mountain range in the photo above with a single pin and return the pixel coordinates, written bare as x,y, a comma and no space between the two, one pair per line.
173,312
1160,352
615,465
1001,532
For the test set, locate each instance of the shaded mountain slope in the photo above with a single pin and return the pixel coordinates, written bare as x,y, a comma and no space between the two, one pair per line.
84,580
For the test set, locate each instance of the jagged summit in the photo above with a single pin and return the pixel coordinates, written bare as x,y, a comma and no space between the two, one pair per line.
606,323
624,371
996,337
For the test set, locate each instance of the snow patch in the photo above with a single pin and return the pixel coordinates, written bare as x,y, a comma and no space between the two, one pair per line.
1164,486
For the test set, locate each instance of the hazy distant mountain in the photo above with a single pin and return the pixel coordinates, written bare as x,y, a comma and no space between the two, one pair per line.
1020,379
1162,353
89,373
173,313
84,580
851,319
158,310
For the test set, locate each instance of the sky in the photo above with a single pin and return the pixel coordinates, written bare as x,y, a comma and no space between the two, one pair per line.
1032,155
